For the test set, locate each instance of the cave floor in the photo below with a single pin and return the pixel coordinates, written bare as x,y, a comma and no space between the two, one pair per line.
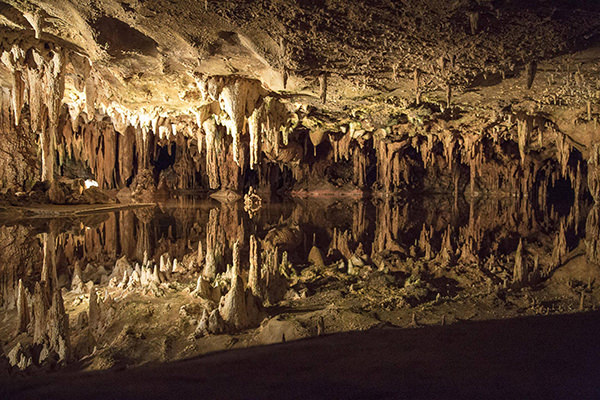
532,357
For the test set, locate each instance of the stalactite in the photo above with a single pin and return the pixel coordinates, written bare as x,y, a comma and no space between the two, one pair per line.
13,60
126,155
254,130
523,132
213,148
387,172
563,152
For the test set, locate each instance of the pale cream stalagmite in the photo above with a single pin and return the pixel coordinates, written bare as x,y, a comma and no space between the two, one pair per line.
239,308
93,313
58,328
254,275
233,305
41,305
22,308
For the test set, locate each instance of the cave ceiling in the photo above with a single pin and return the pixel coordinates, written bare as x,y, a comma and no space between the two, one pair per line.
146,54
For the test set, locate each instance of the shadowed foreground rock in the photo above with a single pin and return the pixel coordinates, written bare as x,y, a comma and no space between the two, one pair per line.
550,357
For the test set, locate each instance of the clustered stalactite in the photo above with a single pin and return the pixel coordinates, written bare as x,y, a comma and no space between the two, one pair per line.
239,126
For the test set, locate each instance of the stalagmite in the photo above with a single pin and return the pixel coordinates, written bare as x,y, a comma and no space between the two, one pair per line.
94,313
41,305
233,305
236,258
315,257
22,308
58,328
76,282
254,273
216,325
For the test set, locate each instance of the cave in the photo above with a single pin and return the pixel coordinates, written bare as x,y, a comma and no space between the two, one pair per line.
315,199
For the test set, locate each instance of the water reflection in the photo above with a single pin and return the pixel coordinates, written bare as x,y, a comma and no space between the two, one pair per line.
238,266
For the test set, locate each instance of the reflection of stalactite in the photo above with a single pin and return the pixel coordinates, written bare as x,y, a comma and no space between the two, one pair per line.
341,242
524,127
425,242
520,268
446,254
592,235
530,72
594,172
559,246
388,222
214,245
359,220
126,233
49,274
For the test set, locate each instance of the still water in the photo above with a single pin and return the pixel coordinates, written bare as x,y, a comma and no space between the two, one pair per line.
323,265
